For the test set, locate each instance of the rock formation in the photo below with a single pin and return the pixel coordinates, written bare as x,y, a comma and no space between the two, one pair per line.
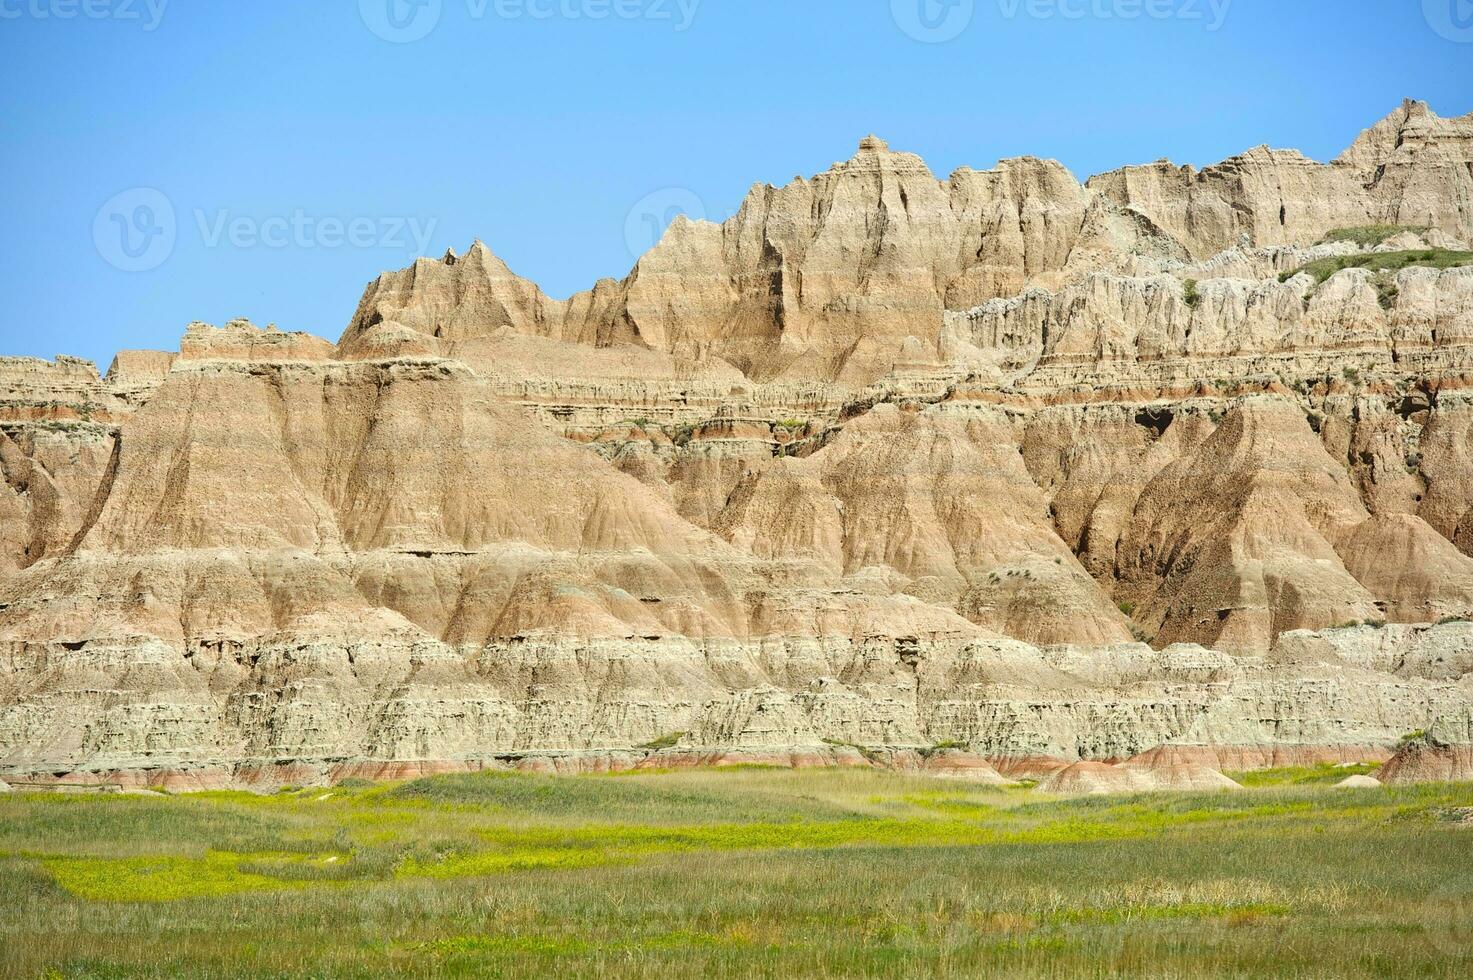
882,467
1443,753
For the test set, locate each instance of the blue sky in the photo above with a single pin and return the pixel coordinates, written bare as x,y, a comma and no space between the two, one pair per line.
301,153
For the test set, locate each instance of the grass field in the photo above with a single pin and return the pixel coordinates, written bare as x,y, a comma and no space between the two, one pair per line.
739,873
1382,262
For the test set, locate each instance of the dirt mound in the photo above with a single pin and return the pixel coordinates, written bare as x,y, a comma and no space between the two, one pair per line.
1097,778
1428,759
957,764
1359,781
1183,776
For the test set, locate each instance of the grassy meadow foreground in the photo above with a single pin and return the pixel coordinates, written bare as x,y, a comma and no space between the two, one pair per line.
745,872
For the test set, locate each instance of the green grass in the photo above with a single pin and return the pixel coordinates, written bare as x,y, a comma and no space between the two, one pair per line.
170,877
1323,774
664,741
830,873
1432,258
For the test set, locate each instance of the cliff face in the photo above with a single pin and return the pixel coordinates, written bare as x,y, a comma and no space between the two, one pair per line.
1411,168
1049,468
1113,327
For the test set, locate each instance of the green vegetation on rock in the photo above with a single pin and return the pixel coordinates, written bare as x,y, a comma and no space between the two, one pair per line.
667,741
1190,295
1431,258
1369,236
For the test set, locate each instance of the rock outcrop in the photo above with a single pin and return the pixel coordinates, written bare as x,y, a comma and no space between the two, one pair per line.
1100,778
1001,476
1411,168
1443,753
846,276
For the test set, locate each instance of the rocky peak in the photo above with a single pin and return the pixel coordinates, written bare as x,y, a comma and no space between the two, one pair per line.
140,366
453,299
1412,130
875,156
242,340
825,277
36,369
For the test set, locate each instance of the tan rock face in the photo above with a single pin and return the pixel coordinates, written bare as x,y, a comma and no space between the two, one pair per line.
364,456
830,277
1055,472
51,476
943,498
1411,168
56,446
1240,534
1151,330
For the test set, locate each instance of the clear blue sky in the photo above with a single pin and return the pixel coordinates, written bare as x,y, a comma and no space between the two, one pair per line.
539,134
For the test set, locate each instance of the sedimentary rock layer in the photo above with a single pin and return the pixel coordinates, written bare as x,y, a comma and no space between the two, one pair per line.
1053,471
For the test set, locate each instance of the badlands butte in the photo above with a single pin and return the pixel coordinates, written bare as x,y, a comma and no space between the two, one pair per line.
999,473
